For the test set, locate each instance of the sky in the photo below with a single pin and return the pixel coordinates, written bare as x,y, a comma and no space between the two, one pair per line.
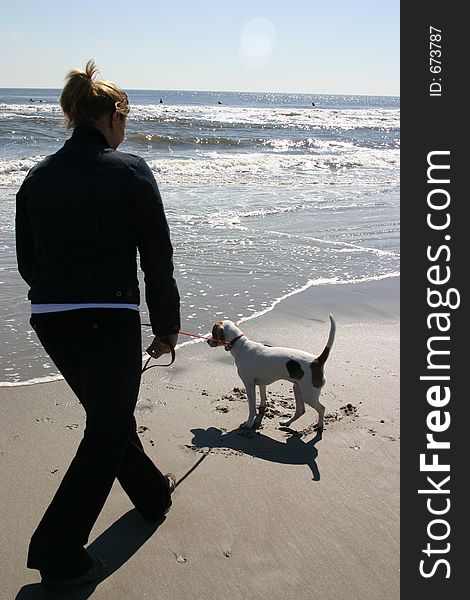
298,46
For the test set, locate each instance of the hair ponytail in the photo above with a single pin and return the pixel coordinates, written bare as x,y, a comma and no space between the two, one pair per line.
85,99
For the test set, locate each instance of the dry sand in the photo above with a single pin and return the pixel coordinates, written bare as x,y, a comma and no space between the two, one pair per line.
272,514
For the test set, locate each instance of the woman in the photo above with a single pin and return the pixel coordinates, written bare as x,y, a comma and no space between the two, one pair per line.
82,215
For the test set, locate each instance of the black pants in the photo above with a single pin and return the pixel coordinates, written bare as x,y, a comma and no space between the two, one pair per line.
99,353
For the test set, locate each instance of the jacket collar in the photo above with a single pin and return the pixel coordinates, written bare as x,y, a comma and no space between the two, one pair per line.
89,134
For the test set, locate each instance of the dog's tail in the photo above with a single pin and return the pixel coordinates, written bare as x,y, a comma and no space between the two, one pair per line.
329,344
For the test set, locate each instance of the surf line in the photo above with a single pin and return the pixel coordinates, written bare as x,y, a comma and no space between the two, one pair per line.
337,243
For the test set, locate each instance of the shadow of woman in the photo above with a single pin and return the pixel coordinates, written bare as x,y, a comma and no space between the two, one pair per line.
294,451
115,546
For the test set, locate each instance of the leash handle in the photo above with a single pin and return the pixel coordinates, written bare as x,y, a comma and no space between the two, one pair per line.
146,367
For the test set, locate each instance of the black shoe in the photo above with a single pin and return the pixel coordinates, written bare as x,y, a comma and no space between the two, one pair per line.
97,570
170,480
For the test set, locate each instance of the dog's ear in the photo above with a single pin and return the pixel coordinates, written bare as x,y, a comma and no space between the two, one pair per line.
228,333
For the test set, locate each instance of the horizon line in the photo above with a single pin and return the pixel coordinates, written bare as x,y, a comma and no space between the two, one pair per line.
220,91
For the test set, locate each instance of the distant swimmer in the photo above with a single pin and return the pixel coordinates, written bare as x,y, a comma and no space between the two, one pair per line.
161,101
313,103
219,102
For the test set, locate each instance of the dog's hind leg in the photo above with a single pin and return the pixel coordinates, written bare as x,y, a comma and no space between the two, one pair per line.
251,394
312,397
299,407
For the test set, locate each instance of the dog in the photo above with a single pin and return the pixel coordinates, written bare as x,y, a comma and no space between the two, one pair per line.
260,365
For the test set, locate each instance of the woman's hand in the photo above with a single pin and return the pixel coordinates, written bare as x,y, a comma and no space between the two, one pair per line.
162,344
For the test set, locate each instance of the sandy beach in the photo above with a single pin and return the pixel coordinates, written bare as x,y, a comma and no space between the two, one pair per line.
273,514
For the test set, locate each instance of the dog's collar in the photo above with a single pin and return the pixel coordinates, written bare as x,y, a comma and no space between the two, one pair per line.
231,344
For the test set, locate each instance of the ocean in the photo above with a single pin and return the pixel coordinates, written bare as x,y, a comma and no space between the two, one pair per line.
265,194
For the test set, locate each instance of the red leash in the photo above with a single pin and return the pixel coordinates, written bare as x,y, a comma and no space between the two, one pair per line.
202,337
173,354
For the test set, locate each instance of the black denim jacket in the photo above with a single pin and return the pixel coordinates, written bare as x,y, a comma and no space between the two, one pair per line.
81,215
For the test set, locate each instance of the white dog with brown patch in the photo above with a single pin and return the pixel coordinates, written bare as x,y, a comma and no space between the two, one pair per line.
260,365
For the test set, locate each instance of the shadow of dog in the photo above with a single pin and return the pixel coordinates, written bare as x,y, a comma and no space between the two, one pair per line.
293,451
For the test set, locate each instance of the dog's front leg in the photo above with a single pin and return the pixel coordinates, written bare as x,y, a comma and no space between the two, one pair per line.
251,395
263,398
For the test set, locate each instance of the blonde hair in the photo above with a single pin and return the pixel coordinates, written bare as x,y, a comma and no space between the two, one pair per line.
85,99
